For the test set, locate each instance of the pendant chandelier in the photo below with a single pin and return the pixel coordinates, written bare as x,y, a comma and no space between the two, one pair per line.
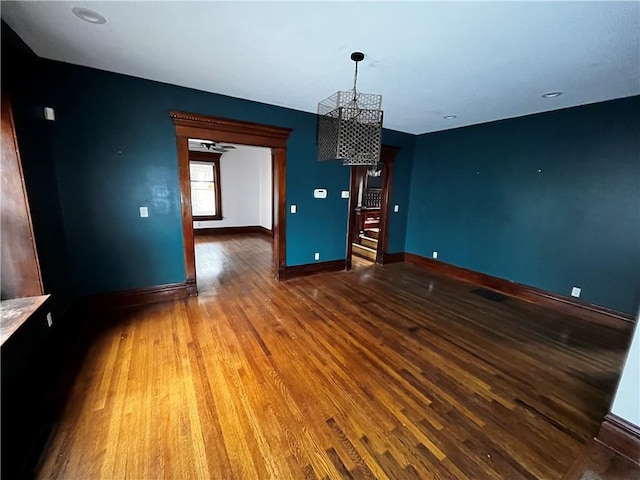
350,125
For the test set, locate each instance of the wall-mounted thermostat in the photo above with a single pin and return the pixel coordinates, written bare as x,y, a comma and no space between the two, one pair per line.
320,193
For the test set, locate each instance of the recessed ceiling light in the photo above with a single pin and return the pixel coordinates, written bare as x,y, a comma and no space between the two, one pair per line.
450,117
88,15
552,94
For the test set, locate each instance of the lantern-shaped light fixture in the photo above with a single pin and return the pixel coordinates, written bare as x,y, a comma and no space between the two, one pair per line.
350,125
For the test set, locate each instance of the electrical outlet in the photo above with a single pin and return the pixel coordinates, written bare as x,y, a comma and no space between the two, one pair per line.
294,209
575,292
316,256
49,320
144,212
435,254
345,194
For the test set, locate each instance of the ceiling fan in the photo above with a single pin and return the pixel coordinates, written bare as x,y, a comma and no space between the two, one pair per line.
217,147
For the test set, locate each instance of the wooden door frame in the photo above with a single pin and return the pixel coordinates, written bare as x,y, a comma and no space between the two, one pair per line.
351,215
217,129
387,158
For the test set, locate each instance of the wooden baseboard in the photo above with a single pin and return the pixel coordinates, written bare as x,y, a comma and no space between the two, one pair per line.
281,274
392,258
314,268
621,436
236,230
192,287
266,231
554,301
137,296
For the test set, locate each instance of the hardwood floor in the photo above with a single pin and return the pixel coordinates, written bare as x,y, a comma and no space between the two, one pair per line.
380,372
359,262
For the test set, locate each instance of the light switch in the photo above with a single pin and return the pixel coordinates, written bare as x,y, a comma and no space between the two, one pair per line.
396,208
144,212
49,114
294,209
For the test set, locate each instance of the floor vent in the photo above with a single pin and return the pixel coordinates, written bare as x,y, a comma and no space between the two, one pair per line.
490,294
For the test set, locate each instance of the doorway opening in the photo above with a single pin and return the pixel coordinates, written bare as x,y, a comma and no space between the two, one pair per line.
221,130
231,202
370,194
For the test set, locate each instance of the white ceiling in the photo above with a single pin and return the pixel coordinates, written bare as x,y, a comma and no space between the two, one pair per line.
481,61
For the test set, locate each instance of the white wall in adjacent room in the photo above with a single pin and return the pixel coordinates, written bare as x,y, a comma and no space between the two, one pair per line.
245,178
626,403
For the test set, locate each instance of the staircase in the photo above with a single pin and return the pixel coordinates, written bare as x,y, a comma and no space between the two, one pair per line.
367,245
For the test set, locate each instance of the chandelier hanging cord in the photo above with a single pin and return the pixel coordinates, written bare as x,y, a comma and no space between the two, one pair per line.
356,57
355,81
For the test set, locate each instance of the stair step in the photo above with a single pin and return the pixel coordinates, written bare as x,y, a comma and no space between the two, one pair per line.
372,232
368,241
363,251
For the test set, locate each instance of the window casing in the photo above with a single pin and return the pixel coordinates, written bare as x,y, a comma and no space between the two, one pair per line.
204,172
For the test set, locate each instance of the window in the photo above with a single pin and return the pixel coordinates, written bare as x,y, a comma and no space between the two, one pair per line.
204,171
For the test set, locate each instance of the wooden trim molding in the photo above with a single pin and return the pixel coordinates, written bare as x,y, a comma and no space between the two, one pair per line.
137,296
621,436
232,230
356,172
279,186
204,156
191,125
388,158
229,130
567,305
392,258
314,268
187,217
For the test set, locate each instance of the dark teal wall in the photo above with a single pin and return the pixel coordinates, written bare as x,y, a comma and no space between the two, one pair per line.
549,200
114,150
400,189
476,194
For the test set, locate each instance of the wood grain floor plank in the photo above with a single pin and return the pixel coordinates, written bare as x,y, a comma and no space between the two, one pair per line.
380,372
